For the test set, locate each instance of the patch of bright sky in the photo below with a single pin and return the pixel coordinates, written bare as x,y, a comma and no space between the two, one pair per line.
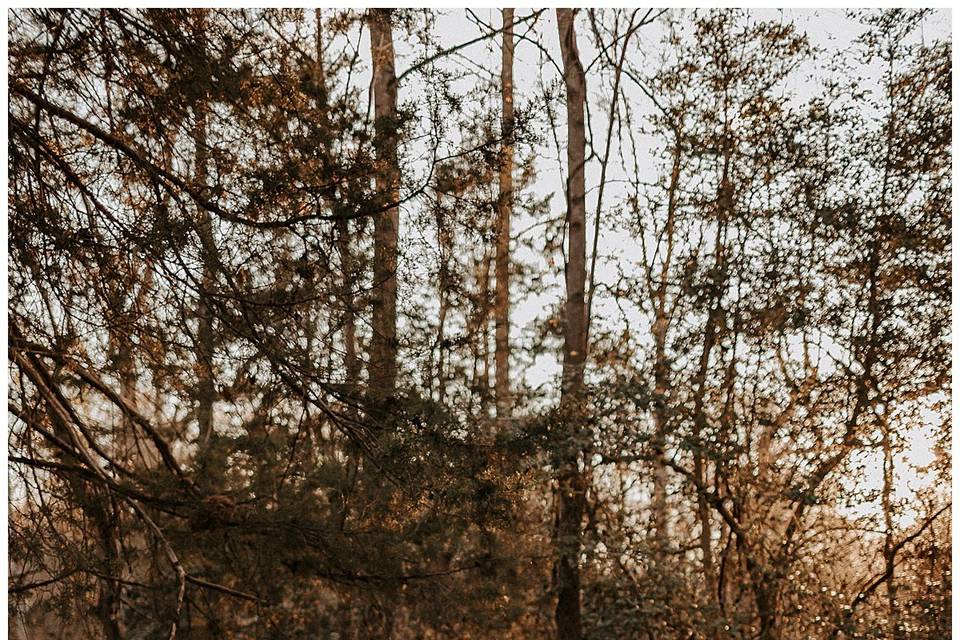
828,29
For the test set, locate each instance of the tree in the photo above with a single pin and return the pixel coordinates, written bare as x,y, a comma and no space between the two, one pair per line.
504,209
571,483
383,344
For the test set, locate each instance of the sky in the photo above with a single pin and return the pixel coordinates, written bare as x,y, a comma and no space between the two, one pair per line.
829,29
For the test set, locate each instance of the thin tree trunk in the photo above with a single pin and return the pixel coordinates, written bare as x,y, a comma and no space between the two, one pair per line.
206,390
504,211
483,328
444,246
661,376
703,515
571,482
661,370
351,361
699,470
478,331
889,555
888,546
383,343
111,591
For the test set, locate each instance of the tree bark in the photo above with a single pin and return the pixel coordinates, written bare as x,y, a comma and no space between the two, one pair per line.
445,246
382,369
206,390
889,553
661,370
699,466
660,477
504,210
351,361
110,603
571,482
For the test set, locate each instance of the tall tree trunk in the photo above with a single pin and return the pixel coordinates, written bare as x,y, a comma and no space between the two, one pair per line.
445,248
660,478
504,210
206,390
480,333
706,547
661,368
699,467
351,362
571,483
206,340
383,344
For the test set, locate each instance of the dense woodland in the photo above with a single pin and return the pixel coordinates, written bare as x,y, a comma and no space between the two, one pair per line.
573,324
